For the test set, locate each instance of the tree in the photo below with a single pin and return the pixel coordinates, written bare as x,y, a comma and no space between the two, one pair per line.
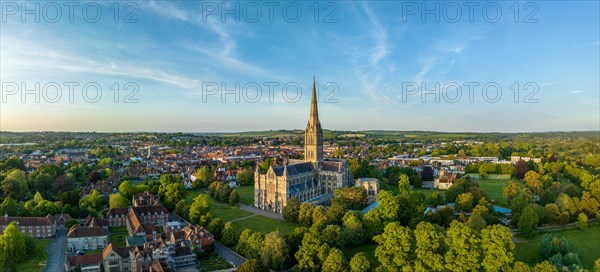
477,222
215,227
245,177
275,251
359,263
234,197
199,207
13,242
394,246
117,201
528,221
252,265
63,183
388,206
372,224
291,210
306,213
203,177
404,184
544,266
332,235
127,189
353,198
171,194
429,242
582,221
463,252
436,199
70,222
15,184
497,248
229,236
464,202
94,177
521,167
335,262
182,208
312,253
93,200
352,232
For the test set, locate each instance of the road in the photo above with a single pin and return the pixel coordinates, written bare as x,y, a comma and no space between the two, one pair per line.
57,254
254,210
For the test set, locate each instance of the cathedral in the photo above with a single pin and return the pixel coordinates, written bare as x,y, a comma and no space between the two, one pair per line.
310,180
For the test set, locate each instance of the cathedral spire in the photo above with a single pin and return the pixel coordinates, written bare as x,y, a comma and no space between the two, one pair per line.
314,112
313,137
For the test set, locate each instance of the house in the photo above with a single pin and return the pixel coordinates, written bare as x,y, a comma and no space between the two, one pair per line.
84,238
38,227
371,185
145,199
116,259
84,263
444,180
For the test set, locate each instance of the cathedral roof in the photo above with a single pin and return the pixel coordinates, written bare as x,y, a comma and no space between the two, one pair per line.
331,166
294,169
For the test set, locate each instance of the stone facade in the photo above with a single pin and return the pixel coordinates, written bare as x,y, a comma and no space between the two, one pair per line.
82,238
305,180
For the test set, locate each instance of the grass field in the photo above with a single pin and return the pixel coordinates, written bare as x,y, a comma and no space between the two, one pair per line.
37,261
246,194
222,210
264,225
368,249
493,186
191,194
225,211
586,243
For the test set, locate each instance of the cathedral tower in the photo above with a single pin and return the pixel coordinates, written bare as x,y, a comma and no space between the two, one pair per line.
313,136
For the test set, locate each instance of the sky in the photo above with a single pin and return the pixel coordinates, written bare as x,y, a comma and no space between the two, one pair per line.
198,66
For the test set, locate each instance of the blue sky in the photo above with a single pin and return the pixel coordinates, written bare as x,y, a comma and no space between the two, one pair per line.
366,56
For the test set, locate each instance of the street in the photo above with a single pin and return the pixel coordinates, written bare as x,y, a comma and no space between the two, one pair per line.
57,252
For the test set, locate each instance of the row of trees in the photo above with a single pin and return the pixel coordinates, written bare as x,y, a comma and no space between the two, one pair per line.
223,192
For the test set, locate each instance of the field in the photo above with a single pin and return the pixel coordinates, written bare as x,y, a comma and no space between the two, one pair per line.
219,209
37,262
368,249
493,186
246,194
586,243
264,225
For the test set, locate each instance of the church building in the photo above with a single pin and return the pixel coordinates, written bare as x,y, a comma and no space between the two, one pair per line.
307,180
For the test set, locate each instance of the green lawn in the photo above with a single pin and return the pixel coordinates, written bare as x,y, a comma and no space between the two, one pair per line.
264,225
246,194
37,261
118,240
191,194
219,209
367,248
225,211
493,186
586,243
